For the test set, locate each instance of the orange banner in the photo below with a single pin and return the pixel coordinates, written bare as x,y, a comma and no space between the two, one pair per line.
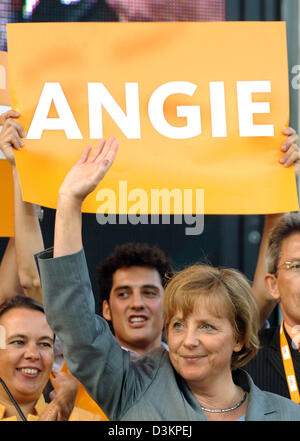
6,178
196,107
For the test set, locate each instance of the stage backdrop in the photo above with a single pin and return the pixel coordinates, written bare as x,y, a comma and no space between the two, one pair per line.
196,107
6,179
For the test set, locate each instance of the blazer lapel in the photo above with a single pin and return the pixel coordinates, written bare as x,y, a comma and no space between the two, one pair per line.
259,408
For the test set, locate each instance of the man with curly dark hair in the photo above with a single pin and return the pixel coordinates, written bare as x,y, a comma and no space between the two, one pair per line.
131,285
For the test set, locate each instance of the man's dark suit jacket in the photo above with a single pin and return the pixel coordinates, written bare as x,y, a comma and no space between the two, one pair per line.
266,368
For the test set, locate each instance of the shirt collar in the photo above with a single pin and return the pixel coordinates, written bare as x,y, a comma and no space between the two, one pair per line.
39,408
293,335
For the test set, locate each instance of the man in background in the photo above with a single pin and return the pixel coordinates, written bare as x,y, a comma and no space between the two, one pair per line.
131,285
276,367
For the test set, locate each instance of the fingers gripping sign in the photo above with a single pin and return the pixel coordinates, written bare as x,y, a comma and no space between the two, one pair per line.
291,150
11,134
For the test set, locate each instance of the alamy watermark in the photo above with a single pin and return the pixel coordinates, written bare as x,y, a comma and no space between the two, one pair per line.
134,205
295,82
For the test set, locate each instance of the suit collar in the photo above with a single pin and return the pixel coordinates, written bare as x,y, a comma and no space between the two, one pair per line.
258,402
274,353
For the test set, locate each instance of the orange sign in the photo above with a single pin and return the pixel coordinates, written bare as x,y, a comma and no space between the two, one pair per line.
6,178
196,107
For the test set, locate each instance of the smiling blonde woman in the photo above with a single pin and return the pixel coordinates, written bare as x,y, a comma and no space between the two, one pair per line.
26,360
211,322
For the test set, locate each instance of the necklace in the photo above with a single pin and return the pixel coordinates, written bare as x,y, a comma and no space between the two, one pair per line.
229,409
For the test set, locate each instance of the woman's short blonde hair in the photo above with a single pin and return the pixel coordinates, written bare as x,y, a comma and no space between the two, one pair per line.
227,293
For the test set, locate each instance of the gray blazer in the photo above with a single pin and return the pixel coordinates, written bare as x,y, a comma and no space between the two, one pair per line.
148,389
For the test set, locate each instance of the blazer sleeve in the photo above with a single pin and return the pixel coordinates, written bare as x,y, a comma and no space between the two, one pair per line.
91,352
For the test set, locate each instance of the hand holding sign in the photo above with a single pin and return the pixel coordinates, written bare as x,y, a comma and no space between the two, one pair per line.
290,147
11,134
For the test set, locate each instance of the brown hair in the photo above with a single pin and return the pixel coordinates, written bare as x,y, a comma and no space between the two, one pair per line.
128,255
21,301
227,292
288,225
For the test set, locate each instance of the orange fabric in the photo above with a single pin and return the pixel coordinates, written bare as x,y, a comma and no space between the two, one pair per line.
76,415
39,408
6,199
84,401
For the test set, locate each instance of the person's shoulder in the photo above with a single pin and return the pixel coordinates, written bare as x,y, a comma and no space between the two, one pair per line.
263,403
155,355
287,408
153,360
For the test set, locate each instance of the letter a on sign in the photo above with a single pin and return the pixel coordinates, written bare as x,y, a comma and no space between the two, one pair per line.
52,92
